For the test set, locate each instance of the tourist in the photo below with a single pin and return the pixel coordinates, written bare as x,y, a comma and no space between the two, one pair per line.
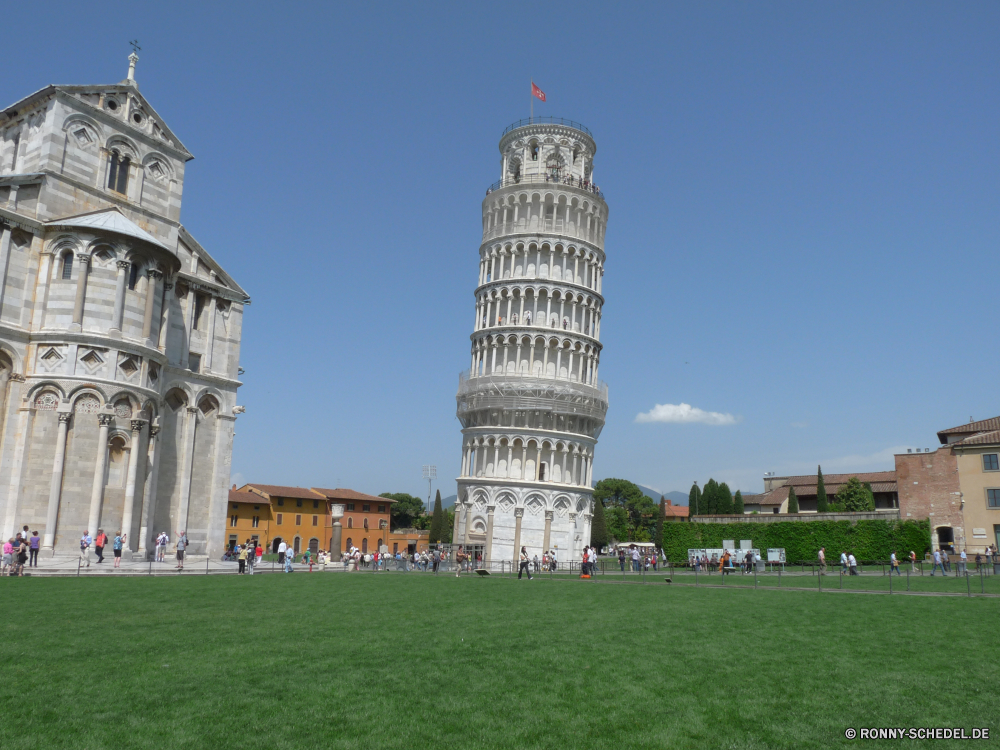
182,544
85,542
894,564
100,542
523,567
8,556
161,546
852,563
289,559
22,556
552,561
260,553
436,560
241,557
979,561
945,559
33,549
913,561
635,559
536,564
963,563
937,563
307,558
843,562
822,561
621,558
282,548
116,547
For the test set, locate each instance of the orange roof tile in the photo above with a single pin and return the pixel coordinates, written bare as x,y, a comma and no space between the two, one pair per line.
275,490
343,494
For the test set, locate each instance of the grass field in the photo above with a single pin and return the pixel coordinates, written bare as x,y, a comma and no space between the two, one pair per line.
397,661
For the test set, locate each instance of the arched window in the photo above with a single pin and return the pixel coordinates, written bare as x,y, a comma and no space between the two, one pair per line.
118,173
133,276
67,269
298,545
314,545
350,522
364,544
348,544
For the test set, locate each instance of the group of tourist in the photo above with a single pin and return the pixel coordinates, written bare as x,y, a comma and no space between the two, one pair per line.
638,561
19,551
567,179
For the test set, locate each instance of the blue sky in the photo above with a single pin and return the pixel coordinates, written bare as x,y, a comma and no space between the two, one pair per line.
802,239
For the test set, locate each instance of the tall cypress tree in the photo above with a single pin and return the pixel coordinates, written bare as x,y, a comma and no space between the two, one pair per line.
694,500
437,520
658,539
793,501
871,496
822,502
725,502
598,527
709,497
738,503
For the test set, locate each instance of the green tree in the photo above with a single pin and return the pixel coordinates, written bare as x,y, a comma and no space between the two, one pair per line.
616,520
871,496
710,498
599,527
448,526
641,518
405,511
694,500
738,503
658,539
725,502
855,497
793,501
437,520
822,502
616,492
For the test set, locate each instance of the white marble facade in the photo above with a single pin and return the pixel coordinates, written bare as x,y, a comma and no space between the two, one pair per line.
119,333
531,404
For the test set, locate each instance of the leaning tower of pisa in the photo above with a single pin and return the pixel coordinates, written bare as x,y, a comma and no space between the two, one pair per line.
531,404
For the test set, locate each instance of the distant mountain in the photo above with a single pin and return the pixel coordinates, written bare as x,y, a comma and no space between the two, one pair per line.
448,502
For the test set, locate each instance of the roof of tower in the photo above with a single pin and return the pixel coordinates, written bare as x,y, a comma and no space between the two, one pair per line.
547,125
84,94
108,220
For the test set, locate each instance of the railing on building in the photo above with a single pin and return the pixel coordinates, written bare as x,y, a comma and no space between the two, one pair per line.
548,178
536,225
542,120
526,392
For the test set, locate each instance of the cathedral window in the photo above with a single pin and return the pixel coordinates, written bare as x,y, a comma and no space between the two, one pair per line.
199,306
67,266
133,276
194,362
118,173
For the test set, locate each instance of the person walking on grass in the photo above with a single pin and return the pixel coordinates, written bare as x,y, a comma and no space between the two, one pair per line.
85,542
852,563
963,563
289,559
894,564
182,544
937,563
116,547
945,559
913,561
843,561
282,549
822,561
524,567
33,544
621,558
100,542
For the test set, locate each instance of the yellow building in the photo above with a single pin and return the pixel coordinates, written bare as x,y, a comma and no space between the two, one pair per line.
299,517
248,517
976,447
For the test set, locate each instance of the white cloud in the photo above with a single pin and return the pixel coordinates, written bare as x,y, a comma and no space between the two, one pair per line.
684,414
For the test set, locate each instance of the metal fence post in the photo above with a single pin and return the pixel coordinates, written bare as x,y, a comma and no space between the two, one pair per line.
78,562
695,575
968,583
820,579
907,580
208,559
779,575
841,578
755,575
981,589
151,566
890,581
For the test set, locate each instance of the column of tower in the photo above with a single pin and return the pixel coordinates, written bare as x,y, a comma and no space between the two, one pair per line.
531,403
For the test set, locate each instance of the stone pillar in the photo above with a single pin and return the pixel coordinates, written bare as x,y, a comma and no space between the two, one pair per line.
188,465
133,468
587,520
151,291
164,329
571,546
338,544
467,512
192,303
17,468
55,487
97,489
489,531
40,303
4,259
547,538
518,515
119,311
454,531
149,495
210,335
83,261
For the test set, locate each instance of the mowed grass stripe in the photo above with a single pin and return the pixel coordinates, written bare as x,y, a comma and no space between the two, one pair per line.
384,661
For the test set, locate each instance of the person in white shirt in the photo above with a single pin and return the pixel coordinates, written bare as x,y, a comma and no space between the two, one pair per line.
963,560
282,548
161,546
843,562
937,563
894,564
822,561
852,563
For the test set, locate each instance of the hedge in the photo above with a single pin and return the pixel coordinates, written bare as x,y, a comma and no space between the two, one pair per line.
801,540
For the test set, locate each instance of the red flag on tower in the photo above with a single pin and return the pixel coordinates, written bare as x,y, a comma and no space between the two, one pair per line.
537,92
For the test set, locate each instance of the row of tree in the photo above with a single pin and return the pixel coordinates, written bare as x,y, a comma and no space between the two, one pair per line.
714,498
854,496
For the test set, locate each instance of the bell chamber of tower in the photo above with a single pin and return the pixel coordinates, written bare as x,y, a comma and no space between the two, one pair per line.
531,404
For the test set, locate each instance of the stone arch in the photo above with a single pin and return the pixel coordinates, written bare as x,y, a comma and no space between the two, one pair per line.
41,389
125,146
208,405
176,398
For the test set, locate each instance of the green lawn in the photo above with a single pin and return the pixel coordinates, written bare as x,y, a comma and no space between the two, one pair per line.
417,661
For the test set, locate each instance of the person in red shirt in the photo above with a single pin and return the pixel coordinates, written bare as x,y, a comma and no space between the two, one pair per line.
99,543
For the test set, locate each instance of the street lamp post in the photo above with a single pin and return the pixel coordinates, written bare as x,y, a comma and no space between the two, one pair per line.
430,474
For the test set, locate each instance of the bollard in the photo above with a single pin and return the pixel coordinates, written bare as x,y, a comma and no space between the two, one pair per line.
981,589
151,566
890,581
907,580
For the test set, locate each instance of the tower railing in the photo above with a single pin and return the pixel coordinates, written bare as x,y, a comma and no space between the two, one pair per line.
541,120
548,179
469,382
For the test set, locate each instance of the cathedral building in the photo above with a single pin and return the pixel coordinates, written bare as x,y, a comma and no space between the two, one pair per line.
531,404
119,333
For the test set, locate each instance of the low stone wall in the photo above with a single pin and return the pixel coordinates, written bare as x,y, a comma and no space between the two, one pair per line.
876,515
